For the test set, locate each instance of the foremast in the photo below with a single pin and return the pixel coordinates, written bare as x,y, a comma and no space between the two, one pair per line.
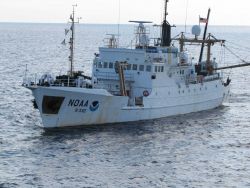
72,41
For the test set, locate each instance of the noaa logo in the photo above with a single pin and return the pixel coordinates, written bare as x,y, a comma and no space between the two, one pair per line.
83,105
94,106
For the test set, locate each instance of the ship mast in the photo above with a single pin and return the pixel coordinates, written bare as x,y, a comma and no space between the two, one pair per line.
72,42
204,36
166,28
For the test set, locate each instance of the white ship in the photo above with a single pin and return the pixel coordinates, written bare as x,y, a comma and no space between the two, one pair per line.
153,80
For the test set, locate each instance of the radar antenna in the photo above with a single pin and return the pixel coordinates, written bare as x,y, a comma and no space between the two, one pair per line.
142,40
140,22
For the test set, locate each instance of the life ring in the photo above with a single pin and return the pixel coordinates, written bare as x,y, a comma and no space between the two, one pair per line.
145,93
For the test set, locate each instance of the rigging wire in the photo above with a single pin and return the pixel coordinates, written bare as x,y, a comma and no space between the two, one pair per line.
224,59
237,56
240,46
176,37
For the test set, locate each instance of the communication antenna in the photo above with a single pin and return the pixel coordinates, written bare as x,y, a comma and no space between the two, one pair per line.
72,40
186,16
119,20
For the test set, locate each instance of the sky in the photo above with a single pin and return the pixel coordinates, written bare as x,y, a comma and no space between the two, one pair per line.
224,12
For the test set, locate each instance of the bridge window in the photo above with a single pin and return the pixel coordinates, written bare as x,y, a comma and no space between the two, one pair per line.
100,65
159,69
156,68
111,65
141,67
135,67
105,65
148,68
162,69
129,67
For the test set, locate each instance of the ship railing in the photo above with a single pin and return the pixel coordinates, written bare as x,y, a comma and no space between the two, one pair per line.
29,81
155,41
189,79
35,80
70,83
215,76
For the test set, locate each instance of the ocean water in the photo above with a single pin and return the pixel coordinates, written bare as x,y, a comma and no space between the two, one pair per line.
205,149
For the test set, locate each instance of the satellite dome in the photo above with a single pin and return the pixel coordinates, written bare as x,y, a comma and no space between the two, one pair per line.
196,30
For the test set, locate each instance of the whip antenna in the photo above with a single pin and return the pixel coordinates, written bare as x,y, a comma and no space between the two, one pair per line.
186,16
119,20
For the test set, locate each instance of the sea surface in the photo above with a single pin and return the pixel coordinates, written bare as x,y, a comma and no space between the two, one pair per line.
205,149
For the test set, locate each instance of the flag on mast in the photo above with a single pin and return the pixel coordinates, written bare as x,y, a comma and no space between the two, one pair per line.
203,20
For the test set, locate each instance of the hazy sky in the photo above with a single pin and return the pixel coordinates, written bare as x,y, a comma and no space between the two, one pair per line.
224,12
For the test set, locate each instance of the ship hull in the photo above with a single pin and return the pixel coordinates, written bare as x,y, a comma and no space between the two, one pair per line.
79,106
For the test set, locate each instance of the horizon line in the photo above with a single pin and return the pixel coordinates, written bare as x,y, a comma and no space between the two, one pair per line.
18,22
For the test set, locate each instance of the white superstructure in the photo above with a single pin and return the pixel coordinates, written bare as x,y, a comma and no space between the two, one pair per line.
148,82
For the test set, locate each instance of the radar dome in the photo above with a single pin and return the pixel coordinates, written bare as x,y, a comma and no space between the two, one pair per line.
196,30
